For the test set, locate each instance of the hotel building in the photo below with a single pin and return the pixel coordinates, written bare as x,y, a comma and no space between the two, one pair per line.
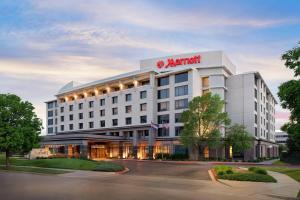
113,117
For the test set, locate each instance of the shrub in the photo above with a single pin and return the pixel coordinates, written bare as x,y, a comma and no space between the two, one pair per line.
248,177
220,173
251,169
223,169
162,156
258,170
229,171
179,156
261,171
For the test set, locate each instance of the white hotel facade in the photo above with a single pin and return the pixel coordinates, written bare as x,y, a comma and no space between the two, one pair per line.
111,118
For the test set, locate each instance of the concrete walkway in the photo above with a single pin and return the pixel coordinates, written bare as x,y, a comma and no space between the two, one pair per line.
285,188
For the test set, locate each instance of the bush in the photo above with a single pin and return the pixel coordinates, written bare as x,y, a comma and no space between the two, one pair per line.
162,156
223,169
179,156
248,177
261,171
220,173
258,170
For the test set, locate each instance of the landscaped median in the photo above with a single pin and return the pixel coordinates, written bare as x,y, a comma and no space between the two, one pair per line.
63,163
254,174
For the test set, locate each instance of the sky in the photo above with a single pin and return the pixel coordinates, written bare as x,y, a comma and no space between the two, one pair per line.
46,44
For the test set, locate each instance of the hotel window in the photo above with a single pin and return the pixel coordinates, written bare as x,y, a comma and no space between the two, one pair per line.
182,77
62,118
80,106
70,107
255,93
102,123
71,117
114,111
143,94
163,119
163,81
62,127
91,124
163,94
50,130
128,120
91,104
255,106
128,109
143,119
55,121
255,119
102,113
205,82
102,102
255,131
62,109
178,117
50,121
80,125
55,112
181,90
91,114
128,97
163,106
50,113
143,107
255,80
147,82
115,122
163,132
181,104
70,127
50,105
178,130
80,115
114,99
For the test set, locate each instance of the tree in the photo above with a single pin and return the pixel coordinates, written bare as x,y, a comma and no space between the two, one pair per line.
289,95
238,137
19,125
202,121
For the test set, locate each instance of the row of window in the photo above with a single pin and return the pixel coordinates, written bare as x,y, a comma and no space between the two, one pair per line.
128,97
165,132
162,119
182,77
128,121
179,104
179,91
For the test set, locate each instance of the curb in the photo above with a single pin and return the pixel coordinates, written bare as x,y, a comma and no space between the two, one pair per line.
124,171
212,176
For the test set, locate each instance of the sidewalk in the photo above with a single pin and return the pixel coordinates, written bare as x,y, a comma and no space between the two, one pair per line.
285,188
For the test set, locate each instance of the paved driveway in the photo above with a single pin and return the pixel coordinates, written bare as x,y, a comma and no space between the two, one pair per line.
178,170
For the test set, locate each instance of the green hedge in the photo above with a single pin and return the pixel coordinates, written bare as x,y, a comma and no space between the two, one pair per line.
258,170
248,177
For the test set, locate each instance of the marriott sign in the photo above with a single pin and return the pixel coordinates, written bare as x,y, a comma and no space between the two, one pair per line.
171,62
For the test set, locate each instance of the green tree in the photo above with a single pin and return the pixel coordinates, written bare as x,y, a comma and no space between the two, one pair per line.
202,122
289,95
238,137
19,125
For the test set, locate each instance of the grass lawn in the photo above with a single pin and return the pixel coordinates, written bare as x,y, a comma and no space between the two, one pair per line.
233,173
33,170
65,163
291,172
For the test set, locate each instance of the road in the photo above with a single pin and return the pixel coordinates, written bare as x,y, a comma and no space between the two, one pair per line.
146,180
